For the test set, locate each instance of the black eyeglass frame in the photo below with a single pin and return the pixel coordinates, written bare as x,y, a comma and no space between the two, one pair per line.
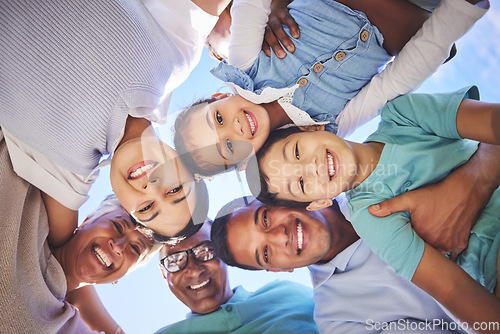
187,252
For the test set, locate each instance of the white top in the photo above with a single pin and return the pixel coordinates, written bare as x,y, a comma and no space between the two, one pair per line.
419,58
187,25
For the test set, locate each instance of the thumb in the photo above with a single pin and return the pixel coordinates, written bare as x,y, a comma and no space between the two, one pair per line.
389,206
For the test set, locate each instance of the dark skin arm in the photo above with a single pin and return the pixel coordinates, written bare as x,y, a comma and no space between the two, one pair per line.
444,213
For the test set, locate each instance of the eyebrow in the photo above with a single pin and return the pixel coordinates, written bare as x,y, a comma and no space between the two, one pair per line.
152,217
256,215
257,257
256,219
207,116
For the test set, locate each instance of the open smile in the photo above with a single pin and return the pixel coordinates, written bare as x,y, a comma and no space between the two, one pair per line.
252,122
200,285
299,237
102,257
330,162
141,169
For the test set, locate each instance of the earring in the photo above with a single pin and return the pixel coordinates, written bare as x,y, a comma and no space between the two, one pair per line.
115,282
75,230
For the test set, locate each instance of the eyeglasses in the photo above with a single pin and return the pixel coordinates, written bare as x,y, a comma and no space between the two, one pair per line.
176,262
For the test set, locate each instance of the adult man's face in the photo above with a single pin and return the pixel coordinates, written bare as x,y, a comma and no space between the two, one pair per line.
266,237
201,286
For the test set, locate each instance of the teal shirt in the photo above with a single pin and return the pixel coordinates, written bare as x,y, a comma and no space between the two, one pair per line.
422,146
278,307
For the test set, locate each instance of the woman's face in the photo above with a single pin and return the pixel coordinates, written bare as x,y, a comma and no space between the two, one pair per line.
153,185
104,248
226,131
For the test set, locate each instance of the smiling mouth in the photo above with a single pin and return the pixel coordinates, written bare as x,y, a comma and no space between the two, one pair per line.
199,286
102,257
300,238
331,167
141,169
250,122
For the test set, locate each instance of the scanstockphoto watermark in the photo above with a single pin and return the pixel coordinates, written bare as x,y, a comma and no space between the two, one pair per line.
437,325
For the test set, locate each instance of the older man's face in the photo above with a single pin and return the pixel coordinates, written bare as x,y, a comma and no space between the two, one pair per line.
266,237
201,286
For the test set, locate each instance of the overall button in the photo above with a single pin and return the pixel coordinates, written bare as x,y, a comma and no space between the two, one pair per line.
302,82
340,56
318,68
364,35
229,308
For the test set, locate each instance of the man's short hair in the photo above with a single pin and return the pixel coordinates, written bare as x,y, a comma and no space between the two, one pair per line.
258,182
218,234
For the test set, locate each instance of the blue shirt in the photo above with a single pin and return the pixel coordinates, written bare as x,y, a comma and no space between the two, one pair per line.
278,307
337,53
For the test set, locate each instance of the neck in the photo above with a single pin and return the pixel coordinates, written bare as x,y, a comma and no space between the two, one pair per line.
60,255
277,115
136,127
342,233
368,156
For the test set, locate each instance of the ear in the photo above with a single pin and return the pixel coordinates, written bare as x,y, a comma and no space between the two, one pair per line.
220,96
312,128
84,223
163,271
319,204
290,270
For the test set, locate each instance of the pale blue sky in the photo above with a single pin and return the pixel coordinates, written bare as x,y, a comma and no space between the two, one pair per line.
142,303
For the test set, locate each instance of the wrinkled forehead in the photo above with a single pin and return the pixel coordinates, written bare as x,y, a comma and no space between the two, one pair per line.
199,237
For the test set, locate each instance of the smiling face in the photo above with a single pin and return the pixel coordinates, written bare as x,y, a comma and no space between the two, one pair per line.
104,248
265,237
153,185
226,131
310,166
201,286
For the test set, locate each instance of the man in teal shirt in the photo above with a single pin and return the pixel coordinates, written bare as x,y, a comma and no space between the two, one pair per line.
200,280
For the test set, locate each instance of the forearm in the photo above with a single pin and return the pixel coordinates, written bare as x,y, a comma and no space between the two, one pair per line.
249,19
62,221
420,57
92,311
456,290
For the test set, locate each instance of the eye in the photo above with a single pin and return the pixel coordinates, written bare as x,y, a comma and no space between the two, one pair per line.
266,255
218,118
229,145
297,155
175,190
301,182
264,218
146,208
118,227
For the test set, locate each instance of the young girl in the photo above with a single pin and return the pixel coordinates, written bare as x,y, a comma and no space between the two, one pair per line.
332,61
409,149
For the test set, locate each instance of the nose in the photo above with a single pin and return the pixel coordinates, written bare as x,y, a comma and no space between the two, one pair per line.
277,236
116,246
237,126
193,267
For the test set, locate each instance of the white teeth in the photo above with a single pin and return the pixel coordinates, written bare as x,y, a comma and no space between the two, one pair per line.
142,170
331,170
202,284
252,124
300,236
101,256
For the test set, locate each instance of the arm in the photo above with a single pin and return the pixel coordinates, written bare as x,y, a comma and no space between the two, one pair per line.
455,290
479,121
92,311
275,34
62,221
249,19
420,57
212,7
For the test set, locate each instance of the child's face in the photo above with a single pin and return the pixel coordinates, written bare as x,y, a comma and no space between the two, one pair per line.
153,185
230,129
309,166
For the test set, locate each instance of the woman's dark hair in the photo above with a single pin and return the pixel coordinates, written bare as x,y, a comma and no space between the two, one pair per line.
258,181
218,233
189,156
198,217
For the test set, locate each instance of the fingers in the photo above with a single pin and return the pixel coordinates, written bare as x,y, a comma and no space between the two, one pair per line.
271,42
387,207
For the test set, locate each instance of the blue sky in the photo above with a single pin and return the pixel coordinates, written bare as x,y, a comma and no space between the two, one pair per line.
142,303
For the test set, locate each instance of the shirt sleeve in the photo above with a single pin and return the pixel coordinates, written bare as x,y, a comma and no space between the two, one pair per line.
419,58
249,19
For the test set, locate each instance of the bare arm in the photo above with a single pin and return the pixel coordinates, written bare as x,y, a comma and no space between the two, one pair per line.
62,221
444,213
479,121
456,290
213,7
92,311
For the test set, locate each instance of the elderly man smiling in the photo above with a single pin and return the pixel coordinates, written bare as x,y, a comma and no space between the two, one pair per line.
200,280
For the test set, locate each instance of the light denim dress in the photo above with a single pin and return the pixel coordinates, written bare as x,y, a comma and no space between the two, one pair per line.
337,53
